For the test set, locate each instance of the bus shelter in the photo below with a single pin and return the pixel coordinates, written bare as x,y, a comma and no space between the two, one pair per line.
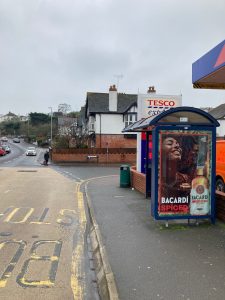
181,177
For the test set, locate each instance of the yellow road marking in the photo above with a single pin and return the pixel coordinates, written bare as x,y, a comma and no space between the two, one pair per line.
29,213
45,283
77,267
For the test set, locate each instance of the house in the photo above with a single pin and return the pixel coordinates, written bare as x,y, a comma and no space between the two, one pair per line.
8,117
106,114
219,114
206,109
81,123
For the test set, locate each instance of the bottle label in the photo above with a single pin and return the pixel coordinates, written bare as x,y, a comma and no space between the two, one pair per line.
199,201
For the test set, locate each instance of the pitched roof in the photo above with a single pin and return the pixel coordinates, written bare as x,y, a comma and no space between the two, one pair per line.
81,117
218,112
10,114
99,102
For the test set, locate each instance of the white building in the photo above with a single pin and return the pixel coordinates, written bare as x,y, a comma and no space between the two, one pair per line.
106,115
8,117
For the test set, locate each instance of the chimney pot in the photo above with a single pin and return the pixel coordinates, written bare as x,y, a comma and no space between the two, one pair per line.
151,89
113,88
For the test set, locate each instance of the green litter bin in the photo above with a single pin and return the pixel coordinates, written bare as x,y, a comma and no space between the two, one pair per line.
124,176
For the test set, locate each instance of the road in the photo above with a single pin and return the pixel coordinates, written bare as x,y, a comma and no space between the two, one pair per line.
149,261
44,252
17,157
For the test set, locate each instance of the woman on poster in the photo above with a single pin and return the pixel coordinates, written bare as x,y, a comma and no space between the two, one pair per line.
174,187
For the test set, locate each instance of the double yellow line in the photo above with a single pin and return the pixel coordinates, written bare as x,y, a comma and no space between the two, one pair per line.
77,267
77,272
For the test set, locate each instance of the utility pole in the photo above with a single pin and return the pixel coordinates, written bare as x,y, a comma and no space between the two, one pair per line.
28,126
51,125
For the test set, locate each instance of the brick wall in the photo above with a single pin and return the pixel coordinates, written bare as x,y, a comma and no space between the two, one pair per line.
129,158
138,180
114,141
220,205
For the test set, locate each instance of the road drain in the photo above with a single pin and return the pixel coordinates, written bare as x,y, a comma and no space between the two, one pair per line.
27,171
5,233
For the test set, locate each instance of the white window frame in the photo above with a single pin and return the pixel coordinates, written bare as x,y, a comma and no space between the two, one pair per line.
129,119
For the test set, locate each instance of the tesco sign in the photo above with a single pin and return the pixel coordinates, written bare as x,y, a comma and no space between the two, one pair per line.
152,105
161,102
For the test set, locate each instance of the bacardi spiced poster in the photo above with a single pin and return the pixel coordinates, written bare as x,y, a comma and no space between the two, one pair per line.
184,172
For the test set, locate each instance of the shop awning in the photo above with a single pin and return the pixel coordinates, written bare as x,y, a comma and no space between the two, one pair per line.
208,72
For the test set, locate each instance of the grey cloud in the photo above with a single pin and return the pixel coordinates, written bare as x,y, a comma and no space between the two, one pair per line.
56,51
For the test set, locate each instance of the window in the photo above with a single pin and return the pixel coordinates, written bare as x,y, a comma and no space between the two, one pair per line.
92,123
92,127
129,119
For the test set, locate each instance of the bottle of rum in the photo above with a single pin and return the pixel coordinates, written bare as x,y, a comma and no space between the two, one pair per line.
199,197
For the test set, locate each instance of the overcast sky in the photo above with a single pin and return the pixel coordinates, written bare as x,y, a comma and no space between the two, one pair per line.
55,51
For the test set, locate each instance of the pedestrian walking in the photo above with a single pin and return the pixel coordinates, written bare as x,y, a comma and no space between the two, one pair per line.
46,158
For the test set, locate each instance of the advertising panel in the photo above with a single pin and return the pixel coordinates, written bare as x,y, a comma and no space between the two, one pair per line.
184,174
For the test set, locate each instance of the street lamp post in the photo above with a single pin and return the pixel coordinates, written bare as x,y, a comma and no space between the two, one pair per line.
51,124
28,126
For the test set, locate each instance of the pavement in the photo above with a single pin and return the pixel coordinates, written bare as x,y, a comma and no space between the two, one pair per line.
149,260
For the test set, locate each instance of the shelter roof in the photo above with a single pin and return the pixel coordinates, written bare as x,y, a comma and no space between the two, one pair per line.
182,115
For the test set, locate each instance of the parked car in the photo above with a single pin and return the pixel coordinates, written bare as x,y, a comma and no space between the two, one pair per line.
4,139
2,152
31,151
16,140
6,148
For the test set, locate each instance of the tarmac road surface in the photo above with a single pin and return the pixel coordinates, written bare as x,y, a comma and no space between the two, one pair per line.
43,249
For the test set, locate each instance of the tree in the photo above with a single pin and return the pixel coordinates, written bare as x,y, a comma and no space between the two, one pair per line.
64,108
61,142
10,127
38,118
73,114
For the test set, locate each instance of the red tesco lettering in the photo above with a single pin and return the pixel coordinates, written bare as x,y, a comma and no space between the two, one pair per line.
161,102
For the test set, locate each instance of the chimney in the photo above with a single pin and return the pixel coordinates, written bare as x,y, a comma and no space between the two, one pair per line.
151,89
112,98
